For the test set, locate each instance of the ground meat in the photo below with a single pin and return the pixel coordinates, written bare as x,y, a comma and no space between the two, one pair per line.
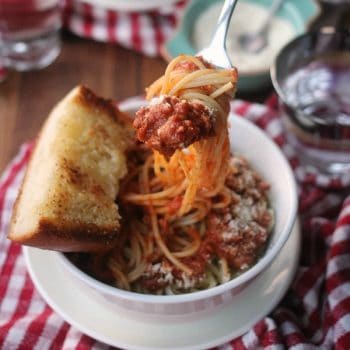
173,124
243,230
241,245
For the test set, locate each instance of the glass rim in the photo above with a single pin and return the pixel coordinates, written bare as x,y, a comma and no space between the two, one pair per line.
326,30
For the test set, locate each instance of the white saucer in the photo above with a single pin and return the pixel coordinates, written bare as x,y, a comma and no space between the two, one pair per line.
101,323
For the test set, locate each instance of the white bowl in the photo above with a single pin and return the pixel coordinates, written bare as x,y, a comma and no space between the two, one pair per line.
267,159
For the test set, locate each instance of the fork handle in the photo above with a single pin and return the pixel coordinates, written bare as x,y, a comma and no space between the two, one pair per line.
273,10
219,37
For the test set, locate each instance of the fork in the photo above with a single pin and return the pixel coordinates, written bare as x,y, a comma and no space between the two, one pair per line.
255,42
216,52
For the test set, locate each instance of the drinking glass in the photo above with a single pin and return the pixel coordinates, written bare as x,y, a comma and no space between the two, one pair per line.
311,76
29,33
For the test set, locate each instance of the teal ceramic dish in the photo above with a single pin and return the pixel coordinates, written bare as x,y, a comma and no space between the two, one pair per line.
299,13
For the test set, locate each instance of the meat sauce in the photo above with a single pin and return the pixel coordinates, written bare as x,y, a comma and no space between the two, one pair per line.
238,233
173,124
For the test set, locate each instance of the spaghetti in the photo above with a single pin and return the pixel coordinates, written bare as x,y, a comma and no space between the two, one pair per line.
193,215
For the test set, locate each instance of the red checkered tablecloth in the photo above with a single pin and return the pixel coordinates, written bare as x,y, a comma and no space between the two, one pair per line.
144,32
314,314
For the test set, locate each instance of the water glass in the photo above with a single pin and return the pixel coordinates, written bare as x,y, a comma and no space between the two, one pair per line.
311,76
29,33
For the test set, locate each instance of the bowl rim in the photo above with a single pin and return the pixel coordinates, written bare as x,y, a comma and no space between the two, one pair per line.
327,30
181,34
240,280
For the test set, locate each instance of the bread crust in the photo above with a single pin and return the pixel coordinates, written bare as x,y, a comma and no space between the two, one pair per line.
72,237
87,98
64,234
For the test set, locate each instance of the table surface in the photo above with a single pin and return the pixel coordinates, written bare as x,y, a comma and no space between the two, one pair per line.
109,70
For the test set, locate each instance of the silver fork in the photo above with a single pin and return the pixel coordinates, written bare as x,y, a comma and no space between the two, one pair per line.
255,42
216,52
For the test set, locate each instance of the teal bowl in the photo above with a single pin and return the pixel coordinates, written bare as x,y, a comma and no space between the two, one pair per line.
299,13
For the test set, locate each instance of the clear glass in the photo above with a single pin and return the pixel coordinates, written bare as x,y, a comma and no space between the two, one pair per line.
311,75
29,33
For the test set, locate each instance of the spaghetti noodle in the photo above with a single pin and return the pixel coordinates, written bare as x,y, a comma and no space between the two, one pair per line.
193,215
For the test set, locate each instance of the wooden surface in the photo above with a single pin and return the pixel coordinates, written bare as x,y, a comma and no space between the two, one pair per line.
111,71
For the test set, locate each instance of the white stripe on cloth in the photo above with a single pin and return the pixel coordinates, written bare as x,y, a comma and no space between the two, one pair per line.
76,24
148,36
176,11
299,172
72,338
19,328
12,295
225,347
288,151
255,111
18,158
341,234
338,263
237,104
317,336
4,245
303,171
251,340
345,212
52,326
339,294
114,30
345,178
9,200
274,128
342,327
99,29
99,14
311,298
321,180
328,342
167,31
169,9
76,20
271,325
123,29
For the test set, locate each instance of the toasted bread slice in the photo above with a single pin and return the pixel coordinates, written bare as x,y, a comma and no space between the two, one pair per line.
67,199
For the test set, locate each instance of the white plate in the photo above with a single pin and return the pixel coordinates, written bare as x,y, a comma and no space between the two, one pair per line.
101,323
130,5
